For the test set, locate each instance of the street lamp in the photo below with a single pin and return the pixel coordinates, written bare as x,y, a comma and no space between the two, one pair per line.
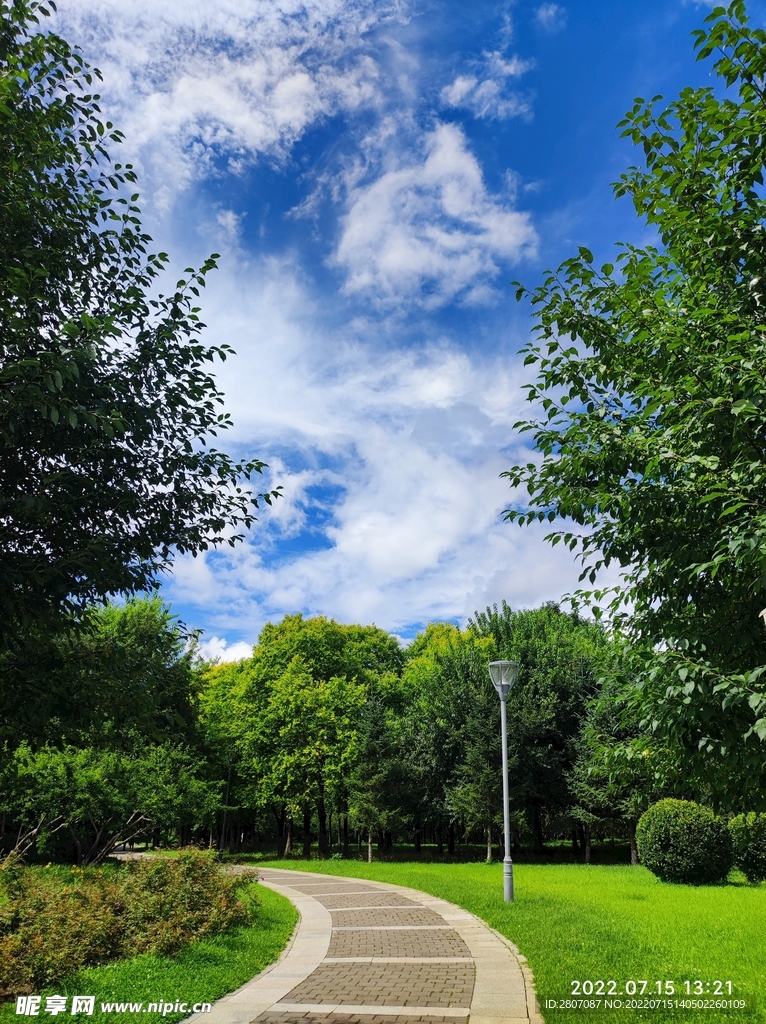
503,675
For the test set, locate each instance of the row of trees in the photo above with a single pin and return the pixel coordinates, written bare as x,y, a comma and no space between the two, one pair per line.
334,733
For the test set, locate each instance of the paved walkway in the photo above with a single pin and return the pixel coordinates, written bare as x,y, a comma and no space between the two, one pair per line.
372,953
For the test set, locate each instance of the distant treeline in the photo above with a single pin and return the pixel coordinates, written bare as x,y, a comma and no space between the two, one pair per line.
330,736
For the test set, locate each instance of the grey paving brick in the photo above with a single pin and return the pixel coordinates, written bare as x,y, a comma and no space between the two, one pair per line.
340,901
408,917
397,943
314,889
387,985
351,1018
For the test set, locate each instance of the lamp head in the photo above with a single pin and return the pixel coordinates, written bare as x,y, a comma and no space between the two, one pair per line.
503,675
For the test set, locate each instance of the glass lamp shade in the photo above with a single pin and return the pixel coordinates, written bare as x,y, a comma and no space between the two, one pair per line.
503,675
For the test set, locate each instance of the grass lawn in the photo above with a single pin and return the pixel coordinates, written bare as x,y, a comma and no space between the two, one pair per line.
574,922
202,972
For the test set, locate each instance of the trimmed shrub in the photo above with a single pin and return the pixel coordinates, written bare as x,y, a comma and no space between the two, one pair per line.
748,833
680,841
54,921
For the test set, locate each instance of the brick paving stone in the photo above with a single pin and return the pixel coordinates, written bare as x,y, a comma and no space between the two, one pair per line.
397,943
382,916
272,1017
387,985
312,889
362,899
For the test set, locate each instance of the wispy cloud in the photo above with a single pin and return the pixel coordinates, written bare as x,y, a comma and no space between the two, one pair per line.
428,229
389,455
196,85
551,17
486,93
393,514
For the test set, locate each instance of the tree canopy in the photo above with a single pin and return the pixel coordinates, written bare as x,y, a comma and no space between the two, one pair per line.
653,426
107,401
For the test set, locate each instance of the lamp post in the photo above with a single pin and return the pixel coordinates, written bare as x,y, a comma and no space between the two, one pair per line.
503,675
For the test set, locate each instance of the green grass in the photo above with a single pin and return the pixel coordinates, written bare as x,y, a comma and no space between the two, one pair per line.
574,922
202,972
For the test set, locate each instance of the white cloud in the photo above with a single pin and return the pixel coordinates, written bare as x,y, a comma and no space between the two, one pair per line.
193,84
429,230
551,17
218,649
485,94
408,446
389,456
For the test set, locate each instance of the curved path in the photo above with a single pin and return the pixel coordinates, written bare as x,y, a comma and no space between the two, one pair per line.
373,953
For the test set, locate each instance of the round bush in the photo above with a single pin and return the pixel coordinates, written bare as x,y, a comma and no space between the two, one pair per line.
679,841
748,833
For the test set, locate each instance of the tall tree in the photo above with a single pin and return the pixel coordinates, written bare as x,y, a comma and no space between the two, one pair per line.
653,428
107,402
292,711
558,657
116,676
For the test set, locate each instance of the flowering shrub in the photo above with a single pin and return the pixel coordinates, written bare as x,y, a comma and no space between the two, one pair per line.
54,922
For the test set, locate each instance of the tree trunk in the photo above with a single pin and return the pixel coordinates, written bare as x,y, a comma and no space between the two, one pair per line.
346,851
489,844
440,839
581,835
369,847
77,845
537,830
451,838
418,839
289,837
575,848
587,843
307,832
225,808
280,820
633,847
324,842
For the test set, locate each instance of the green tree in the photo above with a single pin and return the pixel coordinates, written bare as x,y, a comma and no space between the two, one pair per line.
650,379
107,402
432,736
99,799
559,656
290,715
117,676
377,782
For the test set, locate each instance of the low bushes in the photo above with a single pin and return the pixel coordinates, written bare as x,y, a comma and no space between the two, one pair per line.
679,841
748,833
54,922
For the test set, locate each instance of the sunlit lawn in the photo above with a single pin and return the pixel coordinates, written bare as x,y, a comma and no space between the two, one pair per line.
574,922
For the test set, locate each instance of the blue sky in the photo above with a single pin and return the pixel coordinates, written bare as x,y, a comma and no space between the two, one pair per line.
374,173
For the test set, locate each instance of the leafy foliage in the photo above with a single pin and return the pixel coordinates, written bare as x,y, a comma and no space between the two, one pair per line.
649,377
748,834
105,797
679,841
107,402
116,676
53,923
